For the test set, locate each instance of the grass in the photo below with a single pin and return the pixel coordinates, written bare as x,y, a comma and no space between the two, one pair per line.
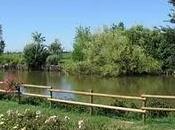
96,121
11,58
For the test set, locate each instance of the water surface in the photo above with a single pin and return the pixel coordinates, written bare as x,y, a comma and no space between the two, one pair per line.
123,85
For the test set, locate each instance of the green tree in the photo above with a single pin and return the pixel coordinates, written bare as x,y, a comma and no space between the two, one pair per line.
172,14
167,48
38,38
82,38
35,53
2,43
111,53
2,46
56,48
53,59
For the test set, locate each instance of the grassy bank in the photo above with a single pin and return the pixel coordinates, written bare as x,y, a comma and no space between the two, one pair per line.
93,122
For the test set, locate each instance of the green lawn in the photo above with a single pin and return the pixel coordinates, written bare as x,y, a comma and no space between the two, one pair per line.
95,122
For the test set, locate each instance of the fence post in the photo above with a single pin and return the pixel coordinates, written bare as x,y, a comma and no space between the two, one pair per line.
19,93
51,95
143,105
91,101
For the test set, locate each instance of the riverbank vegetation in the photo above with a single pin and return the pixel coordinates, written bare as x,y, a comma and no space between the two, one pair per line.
110,51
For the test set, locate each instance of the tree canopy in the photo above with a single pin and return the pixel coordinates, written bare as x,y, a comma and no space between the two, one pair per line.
36,52
2,43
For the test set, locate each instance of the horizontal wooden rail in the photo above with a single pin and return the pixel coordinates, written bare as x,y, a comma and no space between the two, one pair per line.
97,94
3,91
98,105
6,91
36,86
36,95
158,109
158,96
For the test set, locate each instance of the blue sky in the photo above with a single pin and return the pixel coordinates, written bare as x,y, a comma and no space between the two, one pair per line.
58,18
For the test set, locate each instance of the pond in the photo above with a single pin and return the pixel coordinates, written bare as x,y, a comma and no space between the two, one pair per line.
164,85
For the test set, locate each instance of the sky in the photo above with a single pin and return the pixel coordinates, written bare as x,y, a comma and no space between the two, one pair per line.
59,18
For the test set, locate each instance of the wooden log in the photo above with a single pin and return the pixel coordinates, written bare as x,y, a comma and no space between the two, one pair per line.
159,96
158,109
98,94
35,95
98,105
1,82
4,91
36,86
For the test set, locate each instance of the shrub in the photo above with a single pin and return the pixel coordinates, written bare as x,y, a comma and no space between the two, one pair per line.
53,59
29,119
35,55
110,53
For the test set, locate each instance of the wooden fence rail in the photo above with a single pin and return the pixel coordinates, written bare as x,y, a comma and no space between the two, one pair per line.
143,99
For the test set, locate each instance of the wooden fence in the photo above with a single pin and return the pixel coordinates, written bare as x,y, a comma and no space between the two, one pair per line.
143,99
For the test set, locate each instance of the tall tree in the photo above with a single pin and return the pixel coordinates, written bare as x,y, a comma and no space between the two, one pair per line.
36,53
55,47
172,14
38,38
2,43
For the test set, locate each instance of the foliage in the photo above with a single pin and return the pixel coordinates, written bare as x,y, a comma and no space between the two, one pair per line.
167,48
53,59
2,43
83,36
35,54
172,14
10,83
112,53
55,48
29,119
12,58
35,116
2,46
38,38
159,104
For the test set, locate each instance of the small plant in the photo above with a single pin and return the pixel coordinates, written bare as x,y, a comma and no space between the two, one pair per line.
30,120
10,83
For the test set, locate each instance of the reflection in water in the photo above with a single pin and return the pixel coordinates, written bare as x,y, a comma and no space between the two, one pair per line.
123,85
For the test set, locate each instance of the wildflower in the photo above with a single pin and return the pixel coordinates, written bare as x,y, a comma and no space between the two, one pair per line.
1,123
20,115
24,128
9,112
26,110
67,118
1,115
38,112
80,124
51,119
15,127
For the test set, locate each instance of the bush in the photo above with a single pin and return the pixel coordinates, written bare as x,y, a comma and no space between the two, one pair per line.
12,58
29,119
35,55
110,53
53,59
